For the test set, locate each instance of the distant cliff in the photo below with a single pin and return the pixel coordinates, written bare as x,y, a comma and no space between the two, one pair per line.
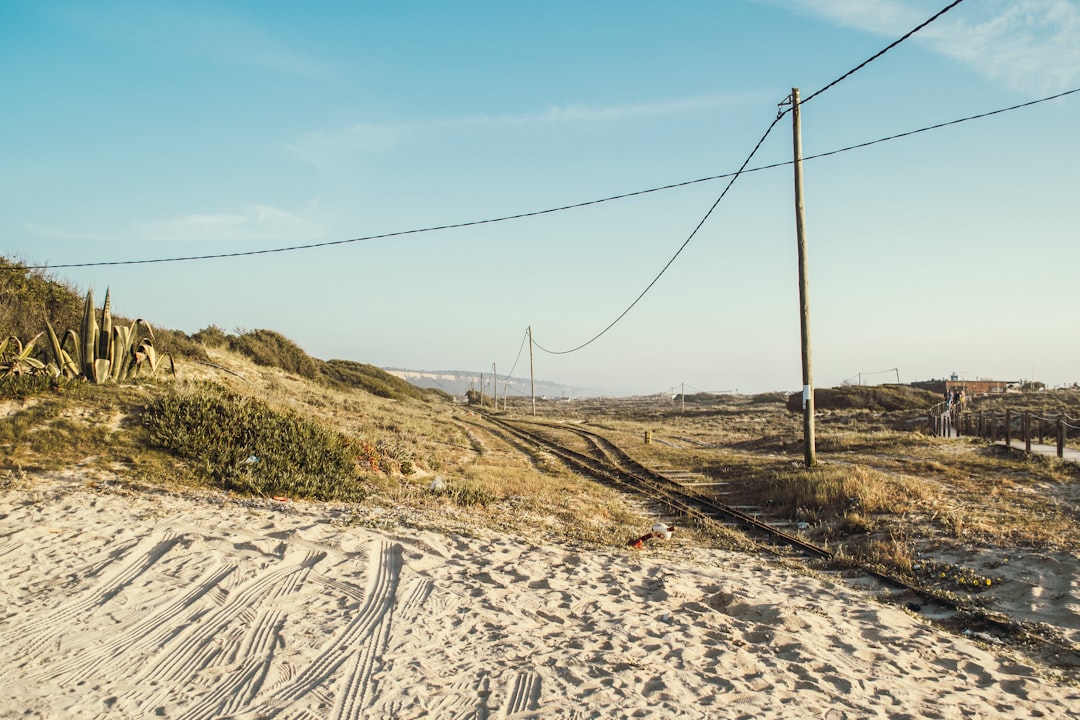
458,382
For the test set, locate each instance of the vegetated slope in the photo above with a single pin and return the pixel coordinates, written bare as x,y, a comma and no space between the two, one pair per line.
30,298
346,373
863,397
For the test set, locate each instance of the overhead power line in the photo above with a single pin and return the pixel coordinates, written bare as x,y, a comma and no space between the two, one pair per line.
524,339
884,50
936,127
678,252
534,213
792,100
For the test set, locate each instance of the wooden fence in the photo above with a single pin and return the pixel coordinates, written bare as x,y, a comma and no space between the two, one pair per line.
1004,426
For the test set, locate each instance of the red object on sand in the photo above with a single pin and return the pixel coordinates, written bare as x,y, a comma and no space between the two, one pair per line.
659,531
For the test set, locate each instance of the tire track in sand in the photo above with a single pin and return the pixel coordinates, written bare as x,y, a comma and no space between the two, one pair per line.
55,623
218,638
255,662
115,651
357,648
524,695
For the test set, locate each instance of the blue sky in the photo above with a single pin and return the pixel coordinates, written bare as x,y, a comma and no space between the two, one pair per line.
141,131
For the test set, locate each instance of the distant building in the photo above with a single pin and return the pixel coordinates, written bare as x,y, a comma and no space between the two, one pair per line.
970,387
980,387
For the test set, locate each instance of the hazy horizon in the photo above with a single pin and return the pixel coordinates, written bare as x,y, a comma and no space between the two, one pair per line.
391,184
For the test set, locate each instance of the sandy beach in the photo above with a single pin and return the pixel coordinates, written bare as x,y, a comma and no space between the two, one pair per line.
151,604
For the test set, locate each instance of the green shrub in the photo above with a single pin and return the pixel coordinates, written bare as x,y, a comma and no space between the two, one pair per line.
247,446
271,349
23,386
468,494
869,397
26,296
177,344
213,336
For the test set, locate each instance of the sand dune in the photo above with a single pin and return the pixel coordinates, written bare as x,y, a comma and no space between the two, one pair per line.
161,605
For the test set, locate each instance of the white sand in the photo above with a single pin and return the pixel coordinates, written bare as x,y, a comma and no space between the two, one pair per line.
153,605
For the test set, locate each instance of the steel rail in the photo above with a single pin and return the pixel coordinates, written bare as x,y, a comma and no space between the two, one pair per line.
616,470
629,473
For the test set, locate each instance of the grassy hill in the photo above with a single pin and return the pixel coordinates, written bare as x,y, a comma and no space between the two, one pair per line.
253,416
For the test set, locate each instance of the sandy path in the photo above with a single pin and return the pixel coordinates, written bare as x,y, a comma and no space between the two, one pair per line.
157,605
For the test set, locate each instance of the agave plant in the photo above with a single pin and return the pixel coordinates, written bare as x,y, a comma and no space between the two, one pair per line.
103,352
62,364
21,361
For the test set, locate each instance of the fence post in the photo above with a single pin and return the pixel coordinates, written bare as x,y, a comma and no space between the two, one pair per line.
1061,436
1027,431
1008,428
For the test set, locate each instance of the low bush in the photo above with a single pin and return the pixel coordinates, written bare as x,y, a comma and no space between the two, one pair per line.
272,349
354,375
873,397
247,446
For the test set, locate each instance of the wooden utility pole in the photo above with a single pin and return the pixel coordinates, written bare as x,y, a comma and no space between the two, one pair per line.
494,389
809,444
532,376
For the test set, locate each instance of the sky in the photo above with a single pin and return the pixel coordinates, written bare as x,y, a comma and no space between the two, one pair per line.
393,139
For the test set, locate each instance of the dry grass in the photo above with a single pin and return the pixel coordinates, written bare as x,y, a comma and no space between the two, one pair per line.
486,481
882,492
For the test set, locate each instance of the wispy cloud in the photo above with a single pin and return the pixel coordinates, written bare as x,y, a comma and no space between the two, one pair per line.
580,112
1029,46
323,148
43,230
210,32
327,147
885,17
256,223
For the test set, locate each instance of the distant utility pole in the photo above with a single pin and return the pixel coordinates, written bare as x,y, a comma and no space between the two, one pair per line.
494,389
532,376
809,444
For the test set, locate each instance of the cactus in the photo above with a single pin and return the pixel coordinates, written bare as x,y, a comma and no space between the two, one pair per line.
63,364
103,352
21,362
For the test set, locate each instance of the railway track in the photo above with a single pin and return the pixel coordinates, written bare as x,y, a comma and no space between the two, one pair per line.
610,464
607,463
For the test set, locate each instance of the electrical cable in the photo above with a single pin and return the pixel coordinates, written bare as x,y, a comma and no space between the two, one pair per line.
535,213
678,252
884,50
518,358
779,115
935,127
382,236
